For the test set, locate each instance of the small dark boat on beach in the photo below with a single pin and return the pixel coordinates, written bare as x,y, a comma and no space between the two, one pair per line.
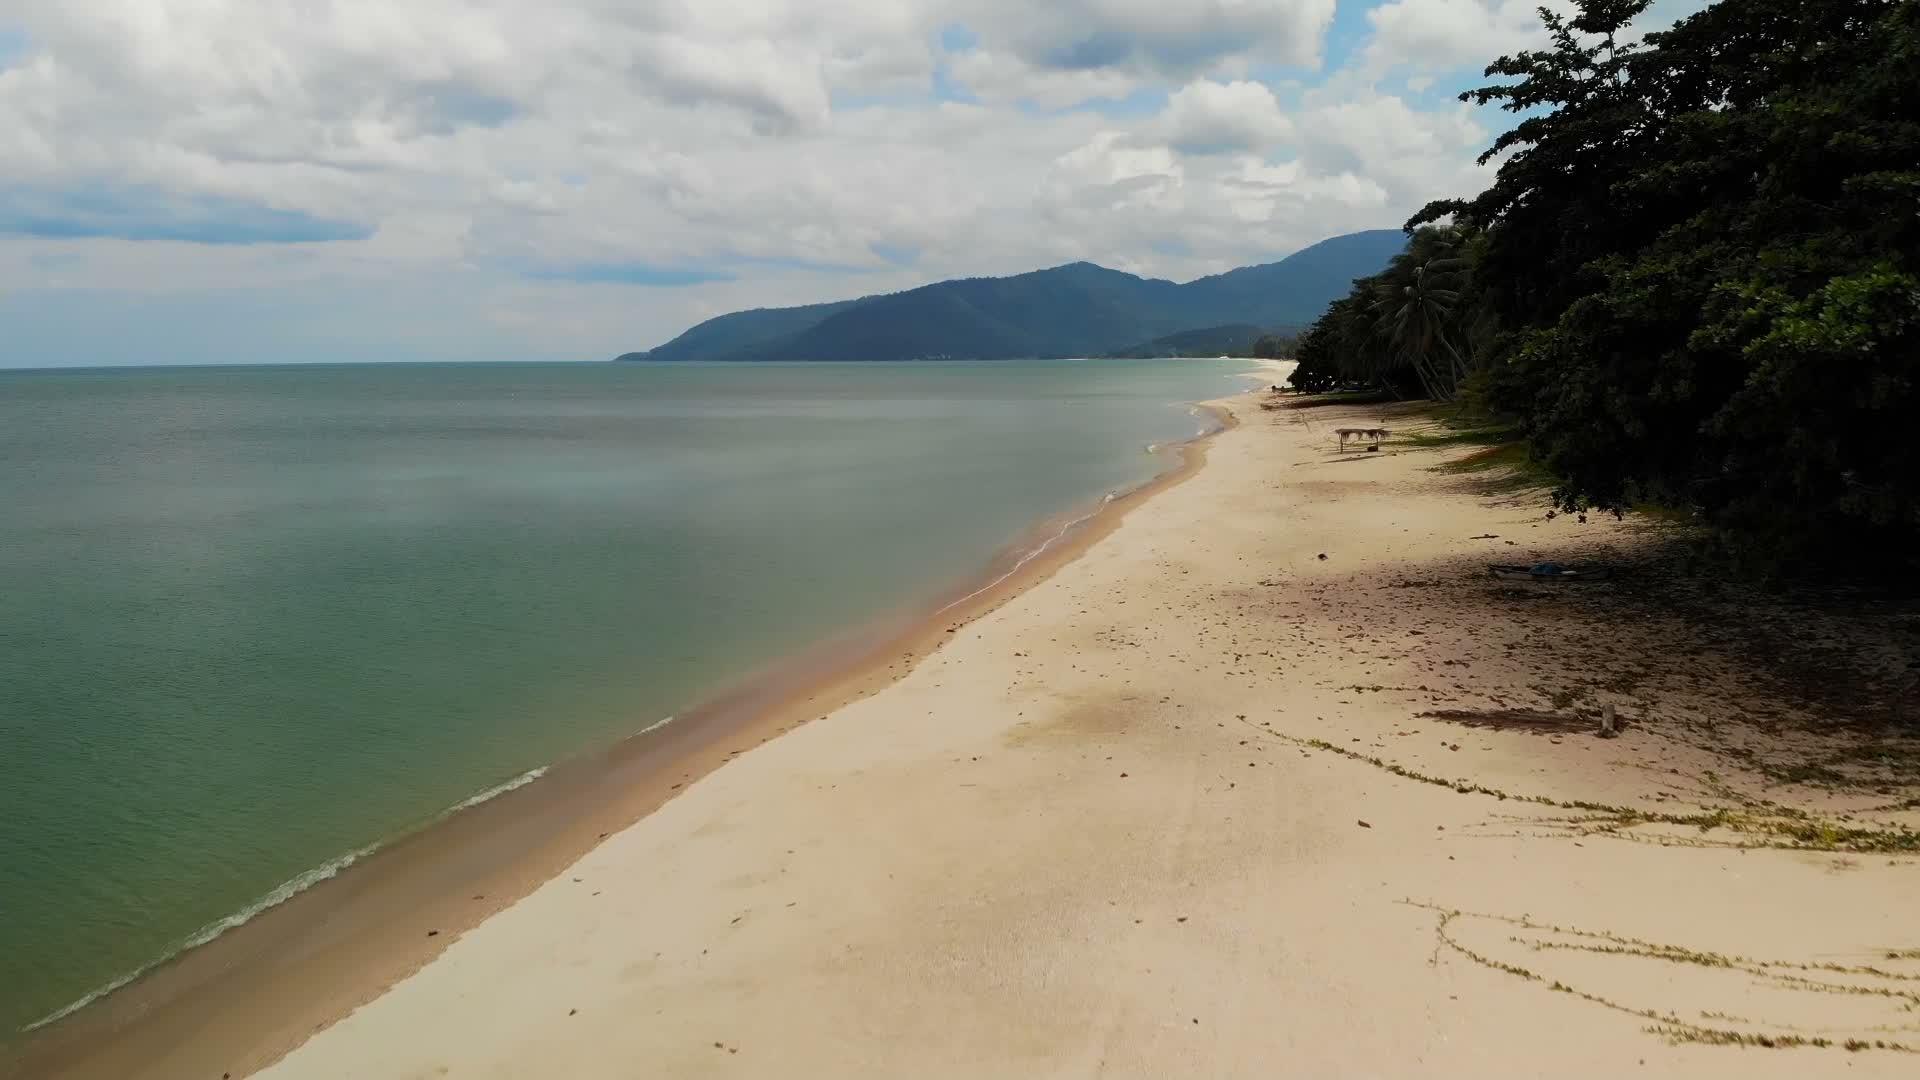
1551,572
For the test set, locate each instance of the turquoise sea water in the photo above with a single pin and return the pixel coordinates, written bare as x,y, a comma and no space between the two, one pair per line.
253,621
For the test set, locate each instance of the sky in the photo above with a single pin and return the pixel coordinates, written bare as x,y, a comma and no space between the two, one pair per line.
254,181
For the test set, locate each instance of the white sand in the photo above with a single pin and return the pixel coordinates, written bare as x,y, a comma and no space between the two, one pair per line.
1056,848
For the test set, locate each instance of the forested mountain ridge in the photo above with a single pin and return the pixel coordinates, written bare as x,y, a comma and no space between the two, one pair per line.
1075,310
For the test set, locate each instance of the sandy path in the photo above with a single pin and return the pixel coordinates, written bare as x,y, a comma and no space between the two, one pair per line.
1071,844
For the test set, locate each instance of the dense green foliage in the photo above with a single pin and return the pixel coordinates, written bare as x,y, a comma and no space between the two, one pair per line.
1695,281
1076,310
1276,346
1405,329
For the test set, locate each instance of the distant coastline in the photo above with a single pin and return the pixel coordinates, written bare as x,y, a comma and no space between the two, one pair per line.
1234,340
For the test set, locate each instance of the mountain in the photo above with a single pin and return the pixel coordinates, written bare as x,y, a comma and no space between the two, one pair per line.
1234,339
1074,310
1297,289
738,335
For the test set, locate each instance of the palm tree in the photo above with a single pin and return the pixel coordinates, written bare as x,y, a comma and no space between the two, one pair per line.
1413,307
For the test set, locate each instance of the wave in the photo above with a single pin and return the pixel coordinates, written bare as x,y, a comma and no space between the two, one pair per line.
280,894
496,791
1032,555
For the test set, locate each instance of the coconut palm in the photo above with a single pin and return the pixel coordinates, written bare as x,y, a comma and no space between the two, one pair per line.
1414,307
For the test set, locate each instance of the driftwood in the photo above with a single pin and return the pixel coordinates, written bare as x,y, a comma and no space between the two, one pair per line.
1371,434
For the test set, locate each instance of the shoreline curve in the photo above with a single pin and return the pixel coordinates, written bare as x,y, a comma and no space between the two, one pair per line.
220,1004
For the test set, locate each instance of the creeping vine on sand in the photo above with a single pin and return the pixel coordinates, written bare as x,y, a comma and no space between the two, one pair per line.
1668,1024
1773,827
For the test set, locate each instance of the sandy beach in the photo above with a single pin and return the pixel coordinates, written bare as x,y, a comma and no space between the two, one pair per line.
1271,779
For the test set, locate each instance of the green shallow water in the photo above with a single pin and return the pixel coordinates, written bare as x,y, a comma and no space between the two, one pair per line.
254,620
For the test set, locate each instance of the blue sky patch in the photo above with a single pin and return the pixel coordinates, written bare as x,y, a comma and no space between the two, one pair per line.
143,214
1098,50
632,273
1346,36
448,107
806,265
14,46
958,38
945,88
897,254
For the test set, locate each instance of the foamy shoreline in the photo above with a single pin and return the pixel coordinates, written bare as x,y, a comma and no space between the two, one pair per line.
289,889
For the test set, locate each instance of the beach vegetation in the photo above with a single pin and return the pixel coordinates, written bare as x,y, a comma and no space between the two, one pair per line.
1782,977
1277,346
1694,283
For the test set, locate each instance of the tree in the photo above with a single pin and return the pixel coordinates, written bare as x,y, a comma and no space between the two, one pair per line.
1400,330
1275,346
1416,310
1317,367
1696,277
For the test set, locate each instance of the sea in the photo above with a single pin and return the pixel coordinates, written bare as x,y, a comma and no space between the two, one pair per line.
256,622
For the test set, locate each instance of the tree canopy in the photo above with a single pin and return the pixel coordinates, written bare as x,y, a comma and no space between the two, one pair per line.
1276,346
1695,279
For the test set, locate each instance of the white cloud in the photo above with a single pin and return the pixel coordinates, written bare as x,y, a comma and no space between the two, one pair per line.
1151,36
1003,78
1070,51
1440,35
796,147
1258,193
1206,117
1381,136
1444,34
1110,174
